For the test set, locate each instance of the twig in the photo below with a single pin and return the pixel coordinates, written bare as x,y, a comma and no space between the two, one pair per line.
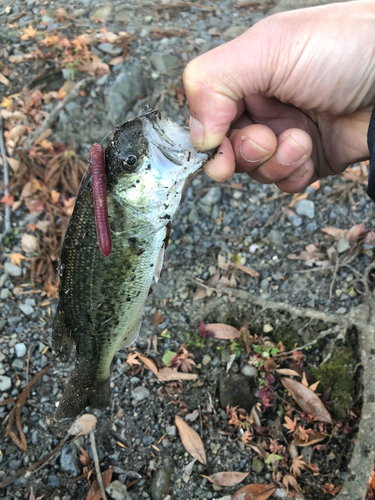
55,113
97,467
15,413
6,177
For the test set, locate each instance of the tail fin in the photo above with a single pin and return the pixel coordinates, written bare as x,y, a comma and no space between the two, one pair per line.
81,392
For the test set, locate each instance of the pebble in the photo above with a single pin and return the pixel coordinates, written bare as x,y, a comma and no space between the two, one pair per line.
5,383
249,371
69,462
148,440
20,350
164,62
110,49
306,208
343,245
233,32
27,309
171,430
5,294
123,94
117,491
161,480
206,359
53,481
102,12
257,465
341,310
140,393
267,328
296,220
275,237
12,270
212,197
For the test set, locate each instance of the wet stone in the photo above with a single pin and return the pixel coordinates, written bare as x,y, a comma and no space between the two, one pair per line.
236,390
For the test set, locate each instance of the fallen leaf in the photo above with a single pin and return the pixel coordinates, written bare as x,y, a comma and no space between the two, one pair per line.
14,164
29,32
7,200
4,80
132,359
290,481
191,440
6,102
248,270
16,258
16,133
150,364
254,492
314,437
222,331
95,493
83,425
157,319
43,225
288,371
29,243
369,240
307,399
169,374
226,478
351,234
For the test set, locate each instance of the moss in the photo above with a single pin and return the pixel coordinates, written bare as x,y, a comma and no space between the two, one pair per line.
337,373
287,337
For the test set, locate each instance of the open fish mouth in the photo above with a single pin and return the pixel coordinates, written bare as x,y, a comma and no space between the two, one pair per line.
170,150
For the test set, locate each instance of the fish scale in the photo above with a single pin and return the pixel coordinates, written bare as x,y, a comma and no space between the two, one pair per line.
101,300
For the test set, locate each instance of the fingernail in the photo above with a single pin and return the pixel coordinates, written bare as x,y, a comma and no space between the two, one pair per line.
250,149
197,135
290,152
299,173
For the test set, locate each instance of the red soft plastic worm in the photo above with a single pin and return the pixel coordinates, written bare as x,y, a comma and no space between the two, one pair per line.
96,159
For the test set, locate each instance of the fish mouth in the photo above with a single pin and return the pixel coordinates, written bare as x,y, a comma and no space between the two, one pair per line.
171,152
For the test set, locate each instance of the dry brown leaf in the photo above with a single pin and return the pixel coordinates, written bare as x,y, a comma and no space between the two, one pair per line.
16,132
288,371
169,374
254,492
222,331
290,481
157,319
200,294
307,399
351,234
191,440
83,425
16,258
4,80
150,364
226,478
314,437
248,270
29,243
132,359
14,164
95,493
369,240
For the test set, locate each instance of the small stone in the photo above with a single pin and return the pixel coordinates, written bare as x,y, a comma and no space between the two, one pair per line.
12,269
343,245
101,13
275,237
306,208
5,294
53,481
117,491
171,430
18,364
3,279
26,309
20,350
110,49
257,465
126,89
227,497
307,453
69,461
161,480
206,359
296,220
233,32
249,371
212,197
148,440
164,62
264,284
341,310
5,383
267,328
148,19
140,393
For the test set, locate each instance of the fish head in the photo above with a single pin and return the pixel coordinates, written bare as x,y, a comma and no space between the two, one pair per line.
147,163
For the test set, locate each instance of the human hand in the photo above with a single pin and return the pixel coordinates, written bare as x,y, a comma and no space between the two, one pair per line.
294,95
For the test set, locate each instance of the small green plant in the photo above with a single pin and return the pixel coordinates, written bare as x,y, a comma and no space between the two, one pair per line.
168,355
265,350
11,234
165,334
236,348
194,339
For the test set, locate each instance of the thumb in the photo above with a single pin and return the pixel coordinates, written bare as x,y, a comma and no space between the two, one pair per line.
214,82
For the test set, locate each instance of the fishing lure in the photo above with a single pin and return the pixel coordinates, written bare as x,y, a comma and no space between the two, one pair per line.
97,162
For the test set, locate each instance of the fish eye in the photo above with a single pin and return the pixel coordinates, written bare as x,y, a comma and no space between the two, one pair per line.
131,160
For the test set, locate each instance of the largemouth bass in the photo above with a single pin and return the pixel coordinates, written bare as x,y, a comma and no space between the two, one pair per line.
101,300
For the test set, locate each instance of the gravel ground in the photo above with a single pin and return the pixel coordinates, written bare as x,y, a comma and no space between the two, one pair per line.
137,434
